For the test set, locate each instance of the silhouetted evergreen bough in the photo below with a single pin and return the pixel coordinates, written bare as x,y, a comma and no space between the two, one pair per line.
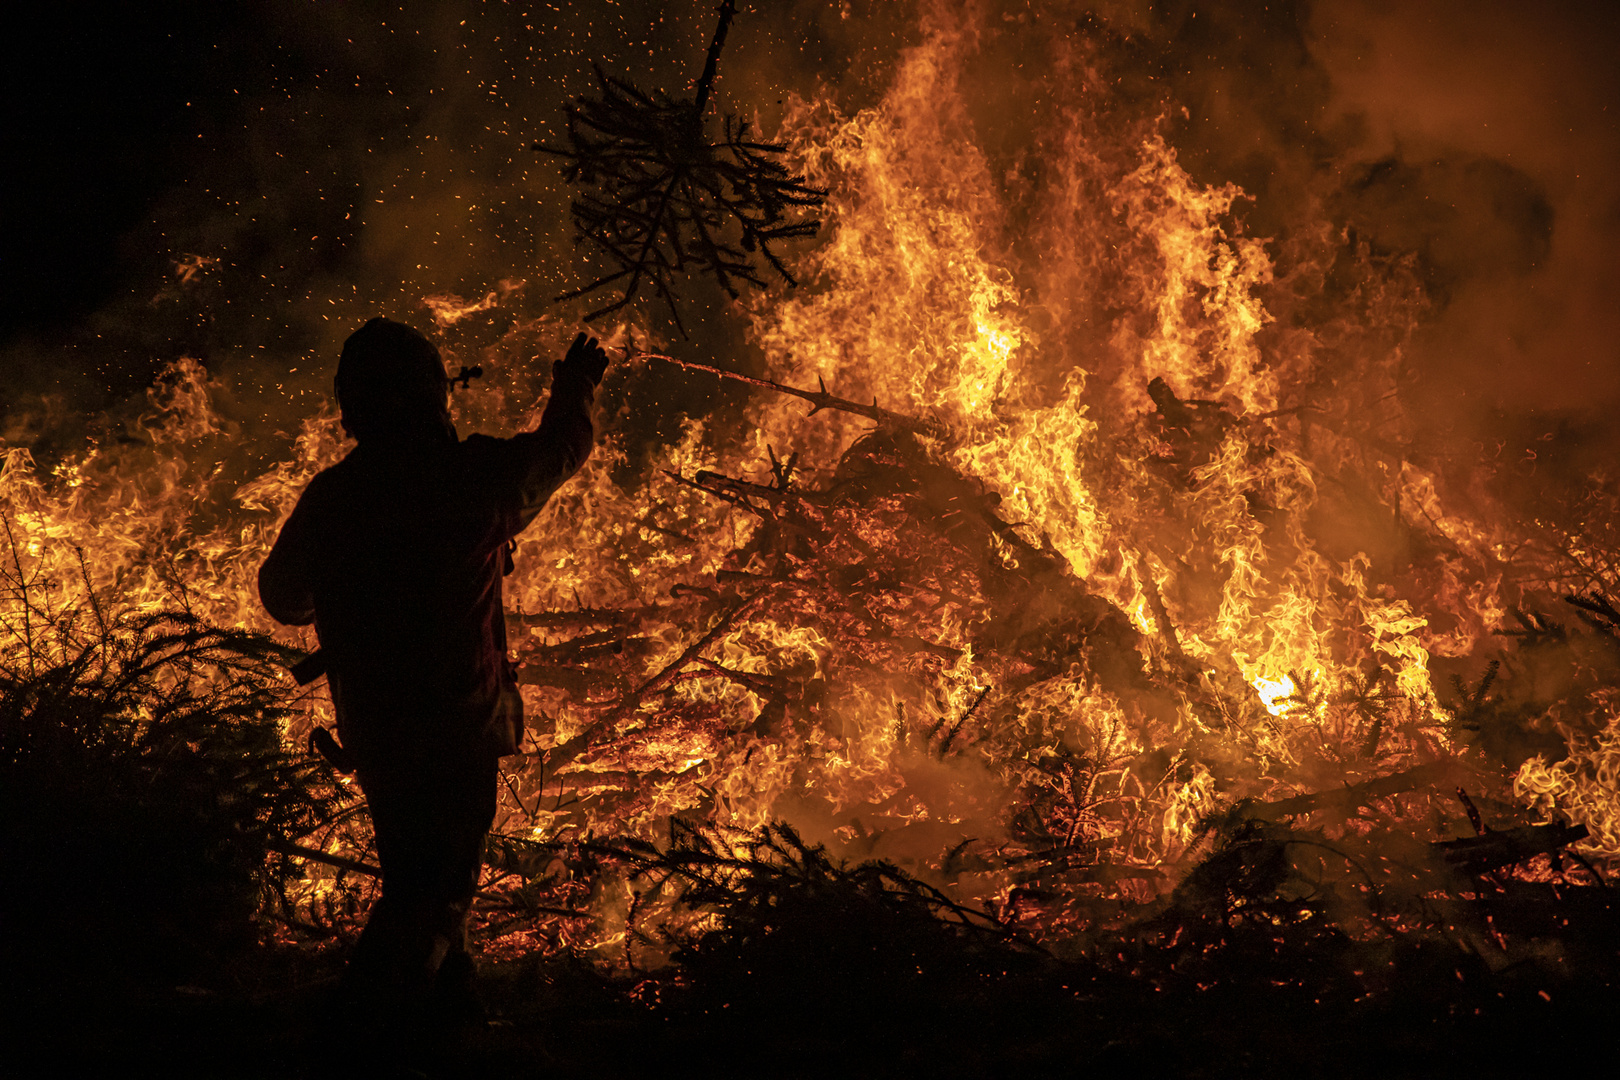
662,195
143,781
796,963
1283,950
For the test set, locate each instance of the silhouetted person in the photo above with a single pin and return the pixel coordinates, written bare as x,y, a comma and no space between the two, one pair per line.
396,554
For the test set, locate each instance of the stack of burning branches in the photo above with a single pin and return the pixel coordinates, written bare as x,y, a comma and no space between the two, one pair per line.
913,678
887,660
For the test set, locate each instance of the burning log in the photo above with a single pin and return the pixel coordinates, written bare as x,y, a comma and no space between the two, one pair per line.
1343,801
1496,848
586,646
577,618
659,681
628,703
766,686
586,683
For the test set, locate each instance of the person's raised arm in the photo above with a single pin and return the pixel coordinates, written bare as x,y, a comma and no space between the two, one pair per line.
559,445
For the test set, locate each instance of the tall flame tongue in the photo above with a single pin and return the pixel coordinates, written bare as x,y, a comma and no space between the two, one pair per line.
1092,592
1193,518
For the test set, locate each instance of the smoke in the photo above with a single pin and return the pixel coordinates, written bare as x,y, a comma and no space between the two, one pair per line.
1493,137
1479,142
1482,137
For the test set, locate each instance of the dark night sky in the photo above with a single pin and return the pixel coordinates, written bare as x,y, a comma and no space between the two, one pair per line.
99,113
334,160
141,129
340,159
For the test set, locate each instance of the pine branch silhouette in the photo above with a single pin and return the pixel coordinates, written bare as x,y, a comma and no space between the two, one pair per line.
661,198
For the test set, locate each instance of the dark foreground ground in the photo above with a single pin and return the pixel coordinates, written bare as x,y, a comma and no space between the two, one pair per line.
841,1000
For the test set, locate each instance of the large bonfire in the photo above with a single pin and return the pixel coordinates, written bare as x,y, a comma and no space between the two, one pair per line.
1109,571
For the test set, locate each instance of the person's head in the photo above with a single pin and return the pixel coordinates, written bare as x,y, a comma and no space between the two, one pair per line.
391,383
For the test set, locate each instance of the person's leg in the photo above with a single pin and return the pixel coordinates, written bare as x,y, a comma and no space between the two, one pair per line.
430,823
390,964
469,805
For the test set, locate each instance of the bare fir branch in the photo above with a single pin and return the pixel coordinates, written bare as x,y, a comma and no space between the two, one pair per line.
662,195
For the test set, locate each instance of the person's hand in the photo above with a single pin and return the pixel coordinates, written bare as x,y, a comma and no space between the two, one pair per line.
586,360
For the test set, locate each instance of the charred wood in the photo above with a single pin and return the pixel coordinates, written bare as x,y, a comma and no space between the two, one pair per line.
1351,797
1496,848
819,399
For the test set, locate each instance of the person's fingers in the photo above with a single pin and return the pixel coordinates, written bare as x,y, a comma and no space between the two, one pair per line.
598,356
585,356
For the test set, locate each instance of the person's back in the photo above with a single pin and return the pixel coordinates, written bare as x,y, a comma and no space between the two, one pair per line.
396,554
408,588
411,539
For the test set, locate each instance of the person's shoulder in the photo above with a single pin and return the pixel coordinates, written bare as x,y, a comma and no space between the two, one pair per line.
332,481
478,442
480,449
340,470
